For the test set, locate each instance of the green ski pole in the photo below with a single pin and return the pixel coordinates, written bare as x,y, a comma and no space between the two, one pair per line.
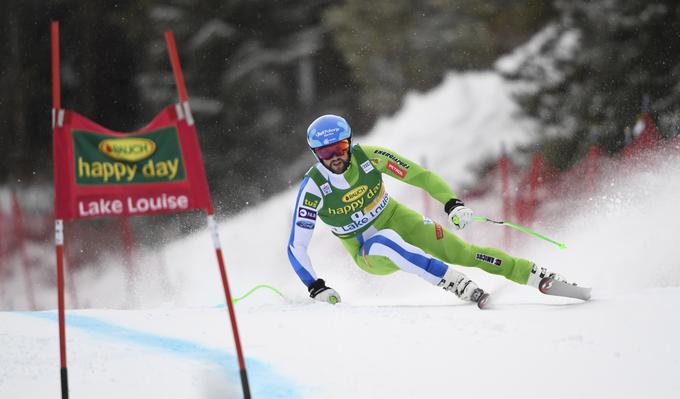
520,228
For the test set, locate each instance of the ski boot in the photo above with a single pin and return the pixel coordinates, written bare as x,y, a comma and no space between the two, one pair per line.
554,284
538,274
464,288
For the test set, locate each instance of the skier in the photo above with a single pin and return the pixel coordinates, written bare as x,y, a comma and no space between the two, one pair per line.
345,190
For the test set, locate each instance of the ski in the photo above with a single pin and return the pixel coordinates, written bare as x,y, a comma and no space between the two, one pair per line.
549,286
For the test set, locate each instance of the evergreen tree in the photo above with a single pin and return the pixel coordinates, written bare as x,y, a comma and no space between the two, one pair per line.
596,68
393,46
256,73
100,54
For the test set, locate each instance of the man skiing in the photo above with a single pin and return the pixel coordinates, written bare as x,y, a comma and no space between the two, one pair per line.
345,190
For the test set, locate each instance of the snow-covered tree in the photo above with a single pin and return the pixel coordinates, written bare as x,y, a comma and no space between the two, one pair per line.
600,63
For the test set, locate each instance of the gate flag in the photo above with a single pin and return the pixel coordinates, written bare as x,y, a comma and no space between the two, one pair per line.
99,172
157,169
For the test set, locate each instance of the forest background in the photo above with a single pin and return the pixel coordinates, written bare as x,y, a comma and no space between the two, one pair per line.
259,71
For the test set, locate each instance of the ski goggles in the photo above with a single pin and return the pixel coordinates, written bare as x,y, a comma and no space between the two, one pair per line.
338,149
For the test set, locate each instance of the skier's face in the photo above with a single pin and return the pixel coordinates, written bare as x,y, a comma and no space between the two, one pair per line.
334,156
338,164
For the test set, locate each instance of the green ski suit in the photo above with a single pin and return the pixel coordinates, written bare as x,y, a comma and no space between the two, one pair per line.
382,235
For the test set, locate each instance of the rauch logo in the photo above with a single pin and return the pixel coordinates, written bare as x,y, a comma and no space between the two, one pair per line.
127,149
354,194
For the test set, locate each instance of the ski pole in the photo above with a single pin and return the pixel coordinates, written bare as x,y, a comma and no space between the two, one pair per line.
520,228
257,287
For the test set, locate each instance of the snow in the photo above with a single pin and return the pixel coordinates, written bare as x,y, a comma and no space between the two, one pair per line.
392,336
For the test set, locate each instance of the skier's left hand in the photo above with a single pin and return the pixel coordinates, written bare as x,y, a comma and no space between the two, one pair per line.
459,214
320,292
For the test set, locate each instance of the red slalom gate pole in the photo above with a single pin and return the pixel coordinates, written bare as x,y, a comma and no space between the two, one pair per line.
59,244
56,79
59,223
212,224
176,68
214,233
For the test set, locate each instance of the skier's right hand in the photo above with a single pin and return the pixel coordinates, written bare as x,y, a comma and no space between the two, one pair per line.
459,214
319,292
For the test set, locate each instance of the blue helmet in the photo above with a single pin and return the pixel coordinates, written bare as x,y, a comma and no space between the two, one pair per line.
328,129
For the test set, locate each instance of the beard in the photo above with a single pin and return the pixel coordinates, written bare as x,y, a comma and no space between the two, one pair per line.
338,166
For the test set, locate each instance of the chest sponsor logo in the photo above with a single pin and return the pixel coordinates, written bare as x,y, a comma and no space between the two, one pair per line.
367,167
326,188
489,259
355,194
305,224
307,213
311,200
376,200
401,173
358,215
361,219
359,203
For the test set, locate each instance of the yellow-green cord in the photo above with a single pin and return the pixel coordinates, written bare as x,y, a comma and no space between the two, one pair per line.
257,287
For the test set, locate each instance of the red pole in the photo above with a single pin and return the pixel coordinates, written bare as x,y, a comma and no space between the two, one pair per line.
58,223
59,243
56,79
176,68
59,250
212,225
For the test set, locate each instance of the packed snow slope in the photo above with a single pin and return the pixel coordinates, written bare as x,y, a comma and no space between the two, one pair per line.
392,336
